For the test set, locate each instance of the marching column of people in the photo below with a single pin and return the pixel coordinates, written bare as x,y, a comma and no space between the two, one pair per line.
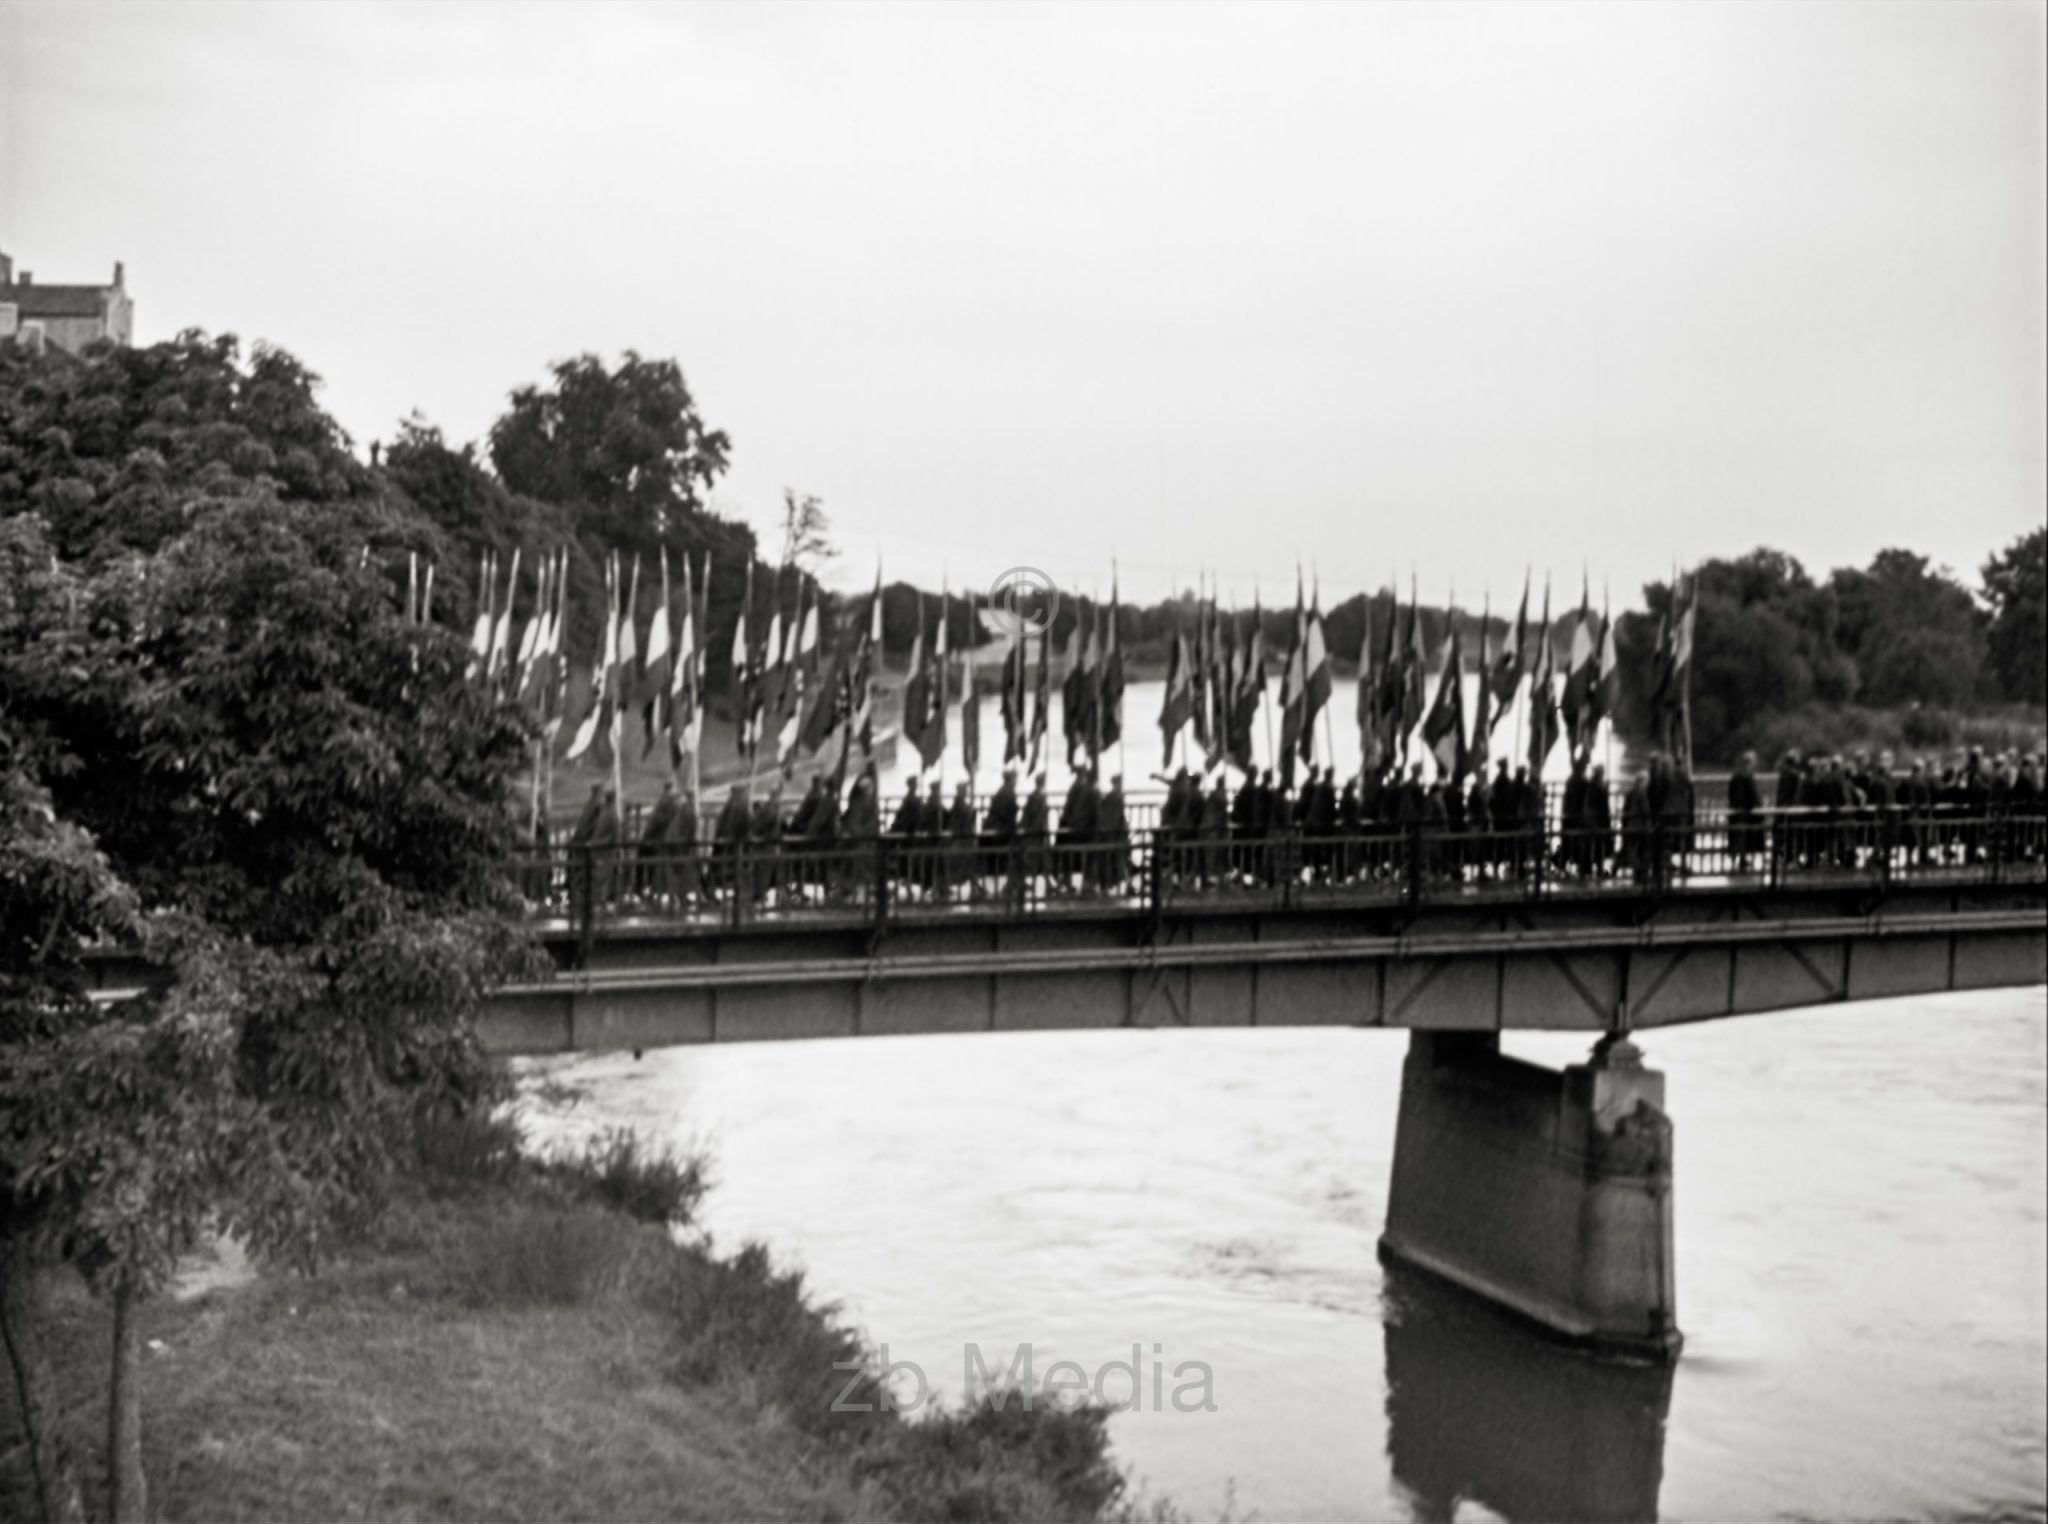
1386,824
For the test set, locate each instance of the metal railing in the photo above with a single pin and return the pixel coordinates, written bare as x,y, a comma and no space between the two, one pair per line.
888,877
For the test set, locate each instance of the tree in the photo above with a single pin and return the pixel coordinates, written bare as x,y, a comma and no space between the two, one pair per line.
624,450
2016,587
224,745
1914,632
806,531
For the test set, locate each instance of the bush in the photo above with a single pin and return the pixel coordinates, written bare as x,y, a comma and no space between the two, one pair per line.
744,1326
617,1170
1003,1457
541,1253
470,1147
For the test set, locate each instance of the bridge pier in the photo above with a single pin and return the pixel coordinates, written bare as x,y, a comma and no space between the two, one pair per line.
1547,1193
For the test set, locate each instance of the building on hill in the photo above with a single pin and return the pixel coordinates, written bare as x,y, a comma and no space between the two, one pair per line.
69,317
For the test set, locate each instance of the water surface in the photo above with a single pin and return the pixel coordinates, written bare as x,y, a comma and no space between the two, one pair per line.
1862,1280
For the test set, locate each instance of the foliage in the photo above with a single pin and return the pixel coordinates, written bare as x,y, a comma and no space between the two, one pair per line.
2016,586
618,1170
252,770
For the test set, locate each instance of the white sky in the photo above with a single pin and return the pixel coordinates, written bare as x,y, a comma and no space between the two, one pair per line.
1452,287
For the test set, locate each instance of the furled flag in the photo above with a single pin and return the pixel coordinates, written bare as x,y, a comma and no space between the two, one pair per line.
1543,717
743,674
1176,705
594,735
655,690
686,678
626,682
970,699
1251,687
1368,707
499,660
930,738
1316,676
1580,672
1293,685
1606,695
486,620
1226,661
917,685
1074,717
1507,672
1391,680
1482,719
1015,743
1109,701
1443,729
1201,705
1414,673
1674,699
769,688
1041,700
800,676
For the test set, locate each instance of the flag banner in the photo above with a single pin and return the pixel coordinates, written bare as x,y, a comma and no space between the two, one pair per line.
1543,715
1317,680
1176,705
970,703
1507,673
1443,729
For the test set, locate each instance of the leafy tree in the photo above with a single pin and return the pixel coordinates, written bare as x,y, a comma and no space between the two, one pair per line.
1914,633
624,450
2016,586
221,743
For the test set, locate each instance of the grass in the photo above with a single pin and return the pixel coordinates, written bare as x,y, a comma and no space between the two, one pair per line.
514,1341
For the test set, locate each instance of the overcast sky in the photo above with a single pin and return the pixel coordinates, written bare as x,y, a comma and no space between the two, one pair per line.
1456,288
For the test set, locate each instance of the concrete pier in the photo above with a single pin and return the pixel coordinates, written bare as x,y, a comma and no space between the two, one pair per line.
1548,1193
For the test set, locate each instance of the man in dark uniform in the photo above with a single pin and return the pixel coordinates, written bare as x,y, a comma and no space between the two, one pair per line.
1034,832
682,835
731,839
1479,824
582,843
1113,830
1600,816
1215,829
604,850
653,868
1745,813
767,844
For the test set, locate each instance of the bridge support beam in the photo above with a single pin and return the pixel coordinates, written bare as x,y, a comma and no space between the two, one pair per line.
1547,1193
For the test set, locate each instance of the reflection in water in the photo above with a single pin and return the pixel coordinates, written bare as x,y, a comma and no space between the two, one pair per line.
1482,1409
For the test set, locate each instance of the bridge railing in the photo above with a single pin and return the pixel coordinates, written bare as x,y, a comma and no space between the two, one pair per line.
889,877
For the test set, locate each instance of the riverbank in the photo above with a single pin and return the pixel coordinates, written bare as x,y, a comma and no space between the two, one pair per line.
516,1342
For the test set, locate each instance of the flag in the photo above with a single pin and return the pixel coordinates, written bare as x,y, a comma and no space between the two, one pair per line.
660,668
1176,707
499,658
1543,717
768,689
1605,698
1251,688
1041,698
594,735
1368,706
1110,699
480,633
800,676
1482,719
1507,672
1443,729
1293,687
743,674
1201,705
686,679
1015,742
917,687
1316,676
970,701
1076,723
1392,680
1579,673
1414,674
931,738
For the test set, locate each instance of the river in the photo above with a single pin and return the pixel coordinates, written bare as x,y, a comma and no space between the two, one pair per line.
1860,1232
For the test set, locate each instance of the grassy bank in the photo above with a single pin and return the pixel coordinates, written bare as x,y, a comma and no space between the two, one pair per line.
514,1342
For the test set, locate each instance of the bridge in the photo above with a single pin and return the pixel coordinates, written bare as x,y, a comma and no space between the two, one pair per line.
1546,1192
